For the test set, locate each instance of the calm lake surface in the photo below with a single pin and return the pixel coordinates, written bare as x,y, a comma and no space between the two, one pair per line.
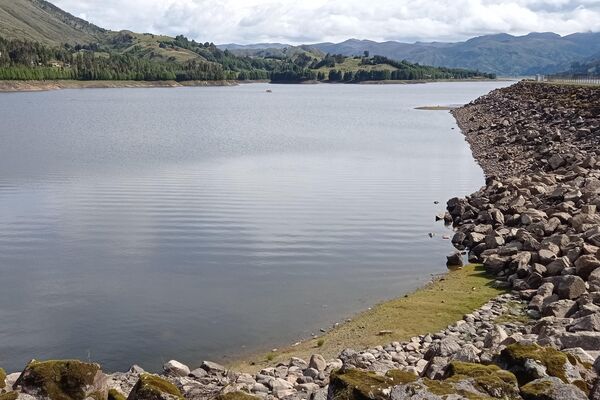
141,225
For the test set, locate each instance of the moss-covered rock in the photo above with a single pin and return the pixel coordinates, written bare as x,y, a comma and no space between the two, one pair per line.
236,396
555,362
489,379
551,388
435,389
2,378
114,394
354,384
153,387
63,380
9,396
401,377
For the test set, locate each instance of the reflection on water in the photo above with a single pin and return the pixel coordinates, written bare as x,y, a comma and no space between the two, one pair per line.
139,225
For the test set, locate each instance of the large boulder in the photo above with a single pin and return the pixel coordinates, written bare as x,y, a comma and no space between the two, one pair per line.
354,384
584,339
551,388
585,265
317,362
175,368
213,368
153,387
568,286
63,380
462,381
530,361
444,348
588,323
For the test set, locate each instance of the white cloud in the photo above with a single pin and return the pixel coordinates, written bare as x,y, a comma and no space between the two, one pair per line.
293,21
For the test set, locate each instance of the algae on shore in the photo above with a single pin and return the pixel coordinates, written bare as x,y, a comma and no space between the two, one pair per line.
428,309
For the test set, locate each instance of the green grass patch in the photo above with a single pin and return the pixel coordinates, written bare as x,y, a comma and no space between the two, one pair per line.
428,309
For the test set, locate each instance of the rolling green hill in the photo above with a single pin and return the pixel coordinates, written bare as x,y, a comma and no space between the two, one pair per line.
41,21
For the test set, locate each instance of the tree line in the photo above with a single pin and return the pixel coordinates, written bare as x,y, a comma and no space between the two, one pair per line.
26,60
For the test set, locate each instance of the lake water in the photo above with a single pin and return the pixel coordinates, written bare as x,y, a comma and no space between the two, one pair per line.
140,225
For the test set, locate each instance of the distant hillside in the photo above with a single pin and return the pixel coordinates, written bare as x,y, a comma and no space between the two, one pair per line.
257,46
40,21
501,54
38,41
587,68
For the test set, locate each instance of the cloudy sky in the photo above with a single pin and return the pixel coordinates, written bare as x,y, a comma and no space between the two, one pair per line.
309,21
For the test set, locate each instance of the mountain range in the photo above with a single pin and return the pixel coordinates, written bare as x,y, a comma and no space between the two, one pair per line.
502,54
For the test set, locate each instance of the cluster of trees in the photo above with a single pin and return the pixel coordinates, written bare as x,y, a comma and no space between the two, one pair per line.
293,75
409,71
329,61
24,60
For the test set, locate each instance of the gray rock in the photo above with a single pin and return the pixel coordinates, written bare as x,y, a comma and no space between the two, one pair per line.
587,323
444,348
568,286
558,265
298,362
175,368
317,362
212,367
551,388
560,309
581,354
467,353
495,337
198,373
454,260
585,265
585,340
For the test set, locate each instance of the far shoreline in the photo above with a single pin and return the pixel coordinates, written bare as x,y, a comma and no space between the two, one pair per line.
17,86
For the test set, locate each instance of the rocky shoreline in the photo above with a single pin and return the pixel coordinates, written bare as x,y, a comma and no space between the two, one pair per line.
533,226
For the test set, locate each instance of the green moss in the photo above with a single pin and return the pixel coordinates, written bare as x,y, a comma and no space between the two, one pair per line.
2,378
534,390
60,379
583,386
236,396
400,377
153,386
9,396
354,384
447,387
552,359
490,379
114,394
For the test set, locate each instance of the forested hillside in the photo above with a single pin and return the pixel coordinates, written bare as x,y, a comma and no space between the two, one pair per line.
38,41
